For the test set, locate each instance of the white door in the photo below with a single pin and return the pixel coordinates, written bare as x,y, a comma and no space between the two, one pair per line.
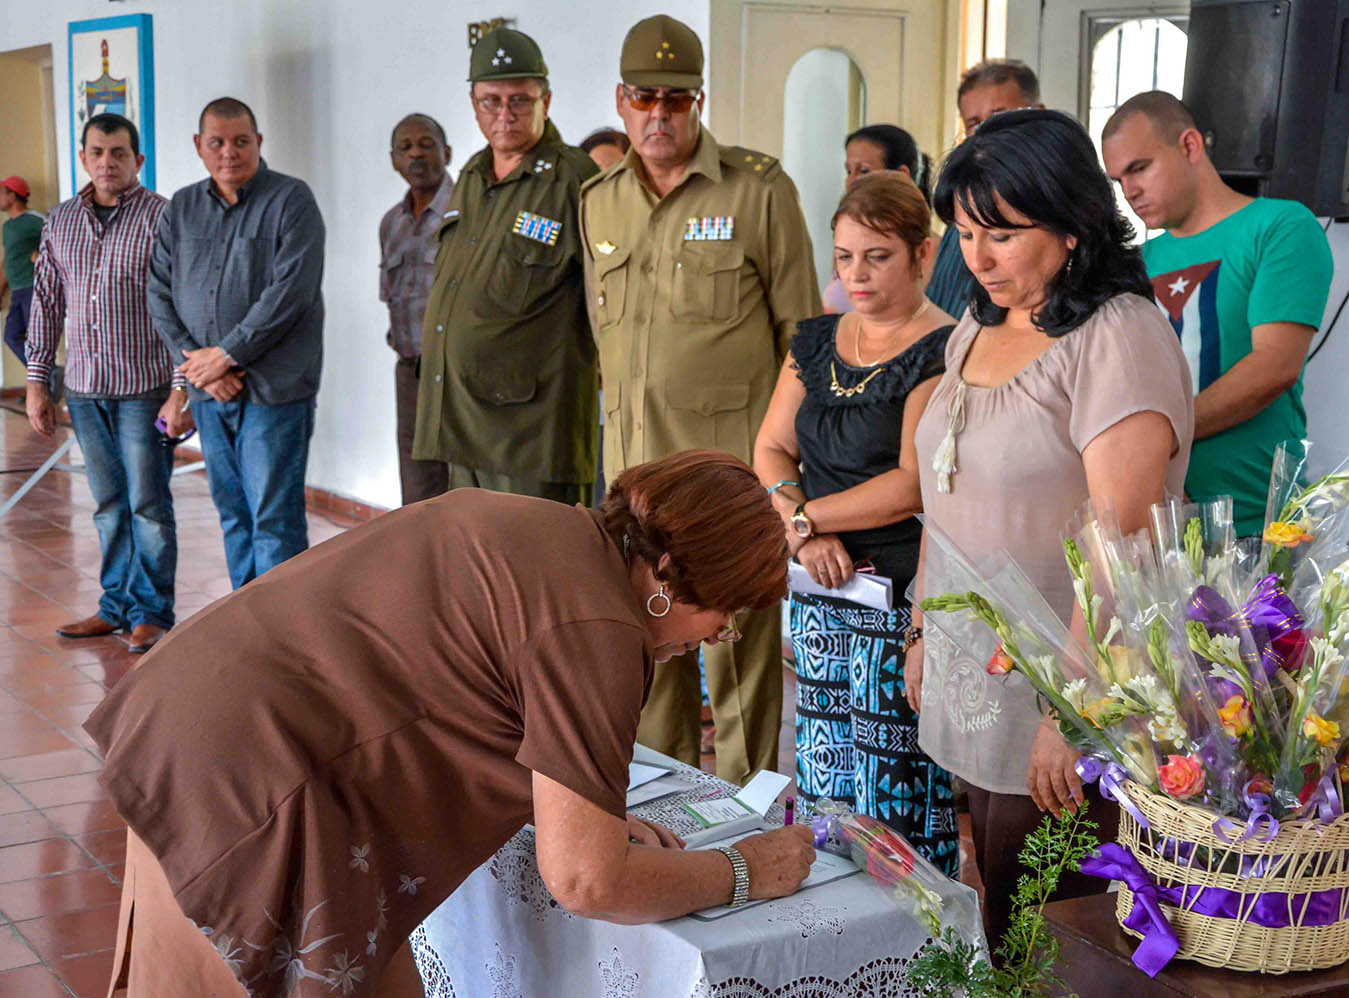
792,79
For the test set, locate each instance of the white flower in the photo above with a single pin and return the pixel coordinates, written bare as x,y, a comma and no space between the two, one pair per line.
1097,601
1166,726
382,907
1117,692
1228,647
408,885
1340,629
1080,590
372,942
1112,632
1075,692
1146,688
344,974
360,858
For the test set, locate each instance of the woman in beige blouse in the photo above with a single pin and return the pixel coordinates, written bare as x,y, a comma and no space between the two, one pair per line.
1064,382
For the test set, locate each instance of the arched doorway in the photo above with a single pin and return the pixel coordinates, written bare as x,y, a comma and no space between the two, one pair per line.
823,101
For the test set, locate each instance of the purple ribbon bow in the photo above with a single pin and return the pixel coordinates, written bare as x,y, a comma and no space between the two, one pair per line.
1325,800
1259,803
1111,776
1159,945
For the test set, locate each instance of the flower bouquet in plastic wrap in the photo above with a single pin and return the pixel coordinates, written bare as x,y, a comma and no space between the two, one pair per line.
1207,687
877,849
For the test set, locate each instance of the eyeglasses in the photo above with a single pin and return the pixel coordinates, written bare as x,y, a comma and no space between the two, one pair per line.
676,101
518,104
730,631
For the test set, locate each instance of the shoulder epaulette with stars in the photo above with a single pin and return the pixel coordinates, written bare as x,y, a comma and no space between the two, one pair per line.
750,161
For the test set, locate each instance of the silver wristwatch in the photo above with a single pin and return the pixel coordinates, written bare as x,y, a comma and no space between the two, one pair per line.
740,868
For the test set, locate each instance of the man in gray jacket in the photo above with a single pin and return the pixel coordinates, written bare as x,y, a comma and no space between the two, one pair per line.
234,292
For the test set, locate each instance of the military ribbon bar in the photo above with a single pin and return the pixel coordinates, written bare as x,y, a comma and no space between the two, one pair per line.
536,227
710,228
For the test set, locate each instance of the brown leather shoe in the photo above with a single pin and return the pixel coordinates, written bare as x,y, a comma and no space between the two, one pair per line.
89,627
144,636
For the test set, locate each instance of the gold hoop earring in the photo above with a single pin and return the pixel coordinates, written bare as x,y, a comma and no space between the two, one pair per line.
659,594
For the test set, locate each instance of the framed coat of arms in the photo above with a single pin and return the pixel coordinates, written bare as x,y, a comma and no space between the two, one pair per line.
112,69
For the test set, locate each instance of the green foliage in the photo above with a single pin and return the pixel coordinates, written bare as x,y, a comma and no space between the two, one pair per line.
949,966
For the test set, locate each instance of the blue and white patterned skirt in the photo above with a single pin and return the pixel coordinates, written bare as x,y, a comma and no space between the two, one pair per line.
856,735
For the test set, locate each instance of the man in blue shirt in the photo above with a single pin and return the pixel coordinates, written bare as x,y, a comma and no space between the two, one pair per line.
234,290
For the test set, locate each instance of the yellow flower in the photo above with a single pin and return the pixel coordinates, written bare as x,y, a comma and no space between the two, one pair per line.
1285,535
1235,716
1323,731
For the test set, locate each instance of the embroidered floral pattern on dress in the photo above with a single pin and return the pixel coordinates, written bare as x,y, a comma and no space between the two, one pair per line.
619,981
344,974
408,885
967,697
360,858
811,918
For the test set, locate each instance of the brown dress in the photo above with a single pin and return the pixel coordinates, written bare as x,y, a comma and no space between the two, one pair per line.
321,758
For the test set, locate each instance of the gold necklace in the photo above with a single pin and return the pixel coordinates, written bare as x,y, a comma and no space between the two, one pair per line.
857,332
857,389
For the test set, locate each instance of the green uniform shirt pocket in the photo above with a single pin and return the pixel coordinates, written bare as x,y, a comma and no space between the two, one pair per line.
711,415
611,279
502,387
524,272
706,282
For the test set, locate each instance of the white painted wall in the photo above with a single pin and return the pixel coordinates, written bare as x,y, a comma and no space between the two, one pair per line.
327,80
815,123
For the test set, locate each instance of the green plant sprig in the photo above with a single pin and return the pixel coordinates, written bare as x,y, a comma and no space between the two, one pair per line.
1028,952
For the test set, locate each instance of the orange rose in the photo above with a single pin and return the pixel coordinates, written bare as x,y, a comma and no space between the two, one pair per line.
1235,716
1182,776
1001,663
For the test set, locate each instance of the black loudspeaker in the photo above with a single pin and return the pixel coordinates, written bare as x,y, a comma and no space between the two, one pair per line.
1268,84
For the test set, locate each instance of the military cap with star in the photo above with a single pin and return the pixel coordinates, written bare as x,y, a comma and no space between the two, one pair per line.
662,52
505,54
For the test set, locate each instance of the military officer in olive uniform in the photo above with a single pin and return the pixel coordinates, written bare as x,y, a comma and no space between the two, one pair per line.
508,387
698,267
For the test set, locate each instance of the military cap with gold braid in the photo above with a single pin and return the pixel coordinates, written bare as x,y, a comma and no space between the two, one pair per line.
505,54
662,52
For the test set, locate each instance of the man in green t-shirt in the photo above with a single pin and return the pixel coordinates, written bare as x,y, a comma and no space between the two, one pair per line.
1244,282
20,235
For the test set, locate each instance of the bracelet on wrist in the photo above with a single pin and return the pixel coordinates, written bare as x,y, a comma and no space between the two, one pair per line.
774,488
740,873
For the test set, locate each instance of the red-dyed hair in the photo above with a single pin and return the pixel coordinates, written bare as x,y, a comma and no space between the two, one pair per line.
708,512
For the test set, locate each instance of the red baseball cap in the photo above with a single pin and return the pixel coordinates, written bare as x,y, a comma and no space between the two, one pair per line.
18,185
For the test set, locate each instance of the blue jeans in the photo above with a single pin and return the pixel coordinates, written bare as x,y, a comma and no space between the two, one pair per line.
16,321
255,462
129,469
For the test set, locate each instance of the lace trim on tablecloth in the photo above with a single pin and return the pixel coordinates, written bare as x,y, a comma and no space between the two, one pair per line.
883,978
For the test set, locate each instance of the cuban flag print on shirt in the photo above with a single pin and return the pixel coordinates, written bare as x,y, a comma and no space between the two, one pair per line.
1189,297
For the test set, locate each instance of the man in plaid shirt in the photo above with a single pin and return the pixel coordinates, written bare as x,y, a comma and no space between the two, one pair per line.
90,282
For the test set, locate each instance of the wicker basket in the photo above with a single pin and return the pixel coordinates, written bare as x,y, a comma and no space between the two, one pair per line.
1304,856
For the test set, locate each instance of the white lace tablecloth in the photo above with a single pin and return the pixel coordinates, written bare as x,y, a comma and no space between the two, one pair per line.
501,935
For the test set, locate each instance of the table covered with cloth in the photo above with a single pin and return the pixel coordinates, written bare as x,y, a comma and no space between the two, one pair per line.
501,934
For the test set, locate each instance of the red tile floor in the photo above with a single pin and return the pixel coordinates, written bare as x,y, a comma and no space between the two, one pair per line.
61,843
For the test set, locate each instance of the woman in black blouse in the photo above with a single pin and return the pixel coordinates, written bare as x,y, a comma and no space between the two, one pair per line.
836,452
